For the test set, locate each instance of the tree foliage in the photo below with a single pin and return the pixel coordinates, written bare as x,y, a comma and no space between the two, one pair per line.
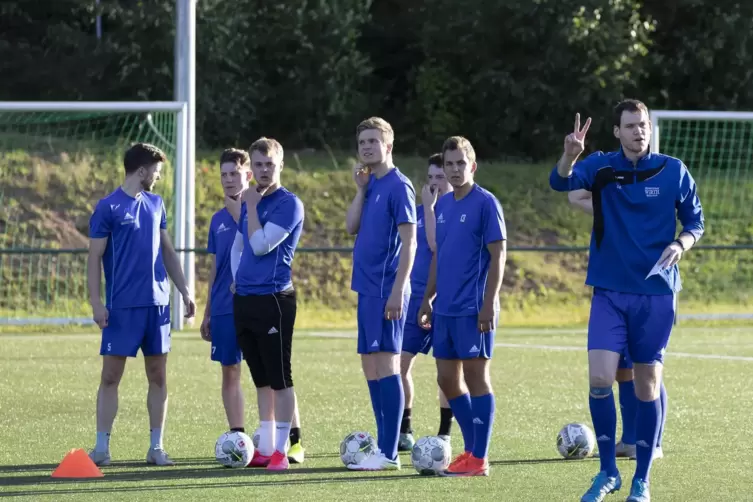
509,74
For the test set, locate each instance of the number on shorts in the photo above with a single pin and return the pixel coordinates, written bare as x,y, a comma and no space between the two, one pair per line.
109,347
214,347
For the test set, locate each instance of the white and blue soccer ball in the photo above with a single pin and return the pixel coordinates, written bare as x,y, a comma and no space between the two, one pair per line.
234,449
431,455
576,441
357,447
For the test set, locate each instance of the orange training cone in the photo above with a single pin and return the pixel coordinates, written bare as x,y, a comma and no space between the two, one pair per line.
77,464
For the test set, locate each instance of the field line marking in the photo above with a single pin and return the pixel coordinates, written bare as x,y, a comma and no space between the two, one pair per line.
352,335
572,348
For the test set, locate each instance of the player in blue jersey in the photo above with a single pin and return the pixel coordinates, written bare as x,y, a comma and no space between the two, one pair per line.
415,338
638,197
129,239
218,325
628,401
466,276
264,303
383,215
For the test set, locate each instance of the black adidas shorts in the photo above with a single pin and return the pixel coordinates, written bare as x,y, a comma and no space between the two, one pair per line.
264,326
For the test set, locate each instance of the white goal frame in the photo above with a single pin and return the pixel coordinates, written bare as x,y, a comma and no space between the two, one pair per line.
656,116
184,208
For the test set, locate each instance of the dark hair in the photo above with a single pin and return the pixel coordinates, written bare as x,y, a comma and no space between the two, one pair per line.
627,105
142,155
435,160
235,156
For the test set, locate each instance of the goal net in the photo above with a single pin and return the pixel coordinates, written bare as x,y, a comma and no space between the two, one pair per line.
717,147
56,161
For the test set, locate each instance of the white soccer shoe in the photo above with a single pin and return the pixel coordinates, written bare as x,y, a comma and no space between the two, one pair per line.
158,456
376,462
100,458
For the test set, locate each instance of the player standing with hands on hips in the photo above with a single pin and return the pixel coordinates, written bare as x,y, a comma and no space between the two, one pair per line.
465,277
128,237
638,197
383,215
264,303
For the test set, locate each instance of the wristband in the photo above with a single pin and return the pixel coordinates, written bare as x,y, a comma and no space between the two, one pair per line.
678,241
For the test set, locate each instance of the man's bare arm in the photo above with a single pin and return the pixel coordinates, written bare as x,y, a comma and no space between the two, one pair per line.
582,199
172,263
407,233
94,269
498,257
353,216
212,277
431,281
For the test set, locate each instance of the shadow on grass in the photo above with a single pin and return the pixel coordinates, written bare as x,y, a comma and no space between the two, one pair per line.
184,472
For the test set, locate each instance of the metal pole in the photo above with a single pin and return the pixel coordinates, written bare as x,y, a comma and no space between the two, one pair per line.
99,22
177,308
185,91
190,182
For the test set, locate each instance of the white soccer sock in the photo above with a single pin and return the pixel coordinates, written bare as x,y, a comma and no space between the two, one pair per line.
155,437
267,438
283,434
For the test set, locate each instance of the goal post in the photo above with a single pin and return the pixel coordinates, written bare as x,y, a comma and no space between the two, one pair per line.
52,150
717,148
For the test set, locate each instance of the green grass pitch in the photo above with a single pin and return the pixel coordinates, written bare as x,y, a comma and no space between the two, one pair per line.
47,397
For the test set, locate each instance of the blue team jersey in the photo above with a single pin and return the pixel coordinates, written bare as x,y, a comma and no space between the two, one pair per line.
636,209
222,230
135,274
390,201
420,272
465,228
270,273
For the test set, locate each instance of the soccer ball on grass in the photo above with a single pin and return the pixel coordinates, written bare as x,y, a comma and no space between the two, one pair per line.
576,441
356,447
431,455
234,449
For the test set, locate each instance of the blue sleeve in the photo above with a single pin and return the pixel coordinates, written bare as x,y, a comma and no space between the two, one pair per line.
494,221
242,224
689,210
582,176
403,204
100,223
163,220
288,214
211,246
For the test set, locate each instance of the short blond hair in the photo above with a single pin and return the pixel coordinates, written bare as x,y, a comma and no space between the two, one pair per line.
267,146
459,143
378,123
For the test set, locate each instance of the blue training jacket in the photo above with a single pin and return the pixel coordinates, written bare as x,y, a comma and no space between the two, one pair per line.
636,208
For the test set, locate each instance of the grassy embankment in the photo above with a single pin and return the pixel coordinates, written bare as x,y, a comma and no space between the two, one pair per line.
46,200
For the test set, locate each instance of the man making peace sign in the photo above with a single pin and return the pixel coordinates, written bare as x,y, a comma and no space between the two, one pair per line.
637,198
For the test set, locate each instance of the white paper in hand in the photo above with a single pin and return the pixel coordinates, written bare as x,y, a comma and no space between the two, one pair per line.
657,268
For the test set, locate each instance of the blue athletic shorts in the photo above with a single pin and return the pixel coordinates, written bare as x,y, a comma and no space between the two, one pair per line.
459,338
131,329
375,333
415,339
637,326
225,348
